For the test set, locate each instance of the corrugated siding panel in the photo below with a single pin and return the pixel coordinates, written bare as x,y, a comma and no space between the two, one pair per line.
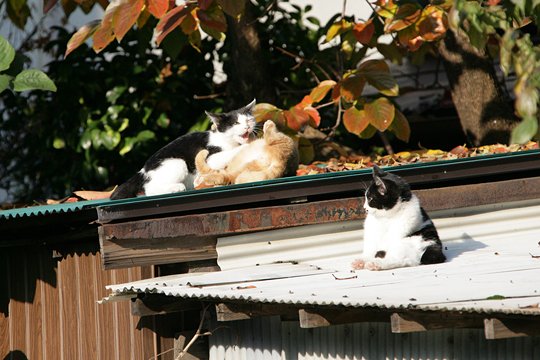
48,309
366,341
257,339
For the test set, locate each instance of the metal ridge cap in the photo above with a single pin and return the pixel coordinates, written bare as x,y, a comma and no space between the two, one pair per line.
309,185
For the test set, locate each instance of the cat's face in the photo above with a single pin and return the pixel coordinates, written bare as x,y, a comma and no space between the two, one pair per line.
236,124
386,190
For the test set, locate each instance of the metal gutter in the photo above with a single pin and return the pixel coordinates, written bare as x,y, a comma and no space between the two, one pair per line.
526,163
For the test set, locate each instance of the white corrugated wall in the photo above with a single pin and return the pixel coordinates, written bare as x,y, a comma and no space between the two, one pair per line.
269,338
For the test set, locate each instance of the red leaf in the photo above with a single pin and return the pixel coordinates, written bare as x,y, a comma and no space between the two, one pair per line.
363,32
336,92
125,17
355,120
105,34
314,116
81,36
319,92
306,101
171,21
380,113
158,8
296,118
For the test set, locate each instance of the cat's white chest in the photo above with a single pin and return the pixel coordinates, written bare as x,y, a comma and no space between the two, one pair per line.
387,229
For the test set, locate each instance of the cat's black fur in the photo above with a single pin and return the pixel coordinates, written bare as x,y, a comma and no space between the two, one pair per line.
186,147
397,188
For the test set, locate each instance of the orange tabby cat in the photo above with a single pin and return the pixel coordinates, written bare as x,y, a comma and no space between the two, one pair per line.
274,155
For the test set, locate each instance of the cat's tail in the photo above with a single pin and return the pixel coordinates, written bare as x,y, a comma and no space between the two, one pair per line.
200,162
130,188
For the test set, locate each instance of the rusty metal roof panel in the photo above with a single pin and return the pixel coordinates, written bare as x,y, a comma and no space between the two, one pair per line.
492,267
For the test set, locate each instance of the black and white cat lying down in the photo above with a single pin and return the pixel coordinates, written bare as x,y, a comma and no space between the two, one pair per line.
172,168
397,230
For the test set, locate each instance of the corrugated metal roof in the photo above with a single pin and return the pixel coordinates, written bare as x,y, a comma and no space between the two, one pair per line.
489,256
50,209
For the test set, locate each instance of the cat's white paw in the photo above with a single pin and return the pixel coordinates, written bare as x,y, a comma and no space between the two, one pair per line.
176,188
372,265
358,264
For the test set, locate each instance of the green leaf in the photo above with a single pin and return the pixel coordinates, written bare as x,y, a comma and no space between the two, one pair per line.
7,54
524,131
368,132
348,42
355,120
17,5
496,297
378,75
114,94
110,139
59,143
4,82
337,28
508,42
351,87
33,80
400,127
124,125
527,102
201,125
164,121
128,145
145,135
381,113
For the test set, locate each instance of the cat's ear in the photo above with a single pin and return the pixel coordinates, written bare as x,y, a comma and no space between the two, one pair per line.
377,171
381,186
214,117
248,109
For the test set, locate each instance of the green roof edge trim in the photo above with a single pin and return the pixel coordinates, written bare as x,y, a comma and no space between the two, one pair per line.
44,210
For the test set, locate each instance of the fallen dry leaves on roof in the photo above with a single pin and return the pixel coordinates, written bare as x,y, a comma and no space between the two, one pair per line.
358,162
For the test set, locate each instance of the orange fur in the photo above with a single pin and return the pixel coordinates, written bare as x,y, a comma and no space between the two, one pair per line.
274,155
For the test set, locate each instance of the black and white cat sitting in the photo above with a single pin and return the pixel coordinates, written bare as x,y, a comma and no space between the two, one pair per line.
397,231
172,168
